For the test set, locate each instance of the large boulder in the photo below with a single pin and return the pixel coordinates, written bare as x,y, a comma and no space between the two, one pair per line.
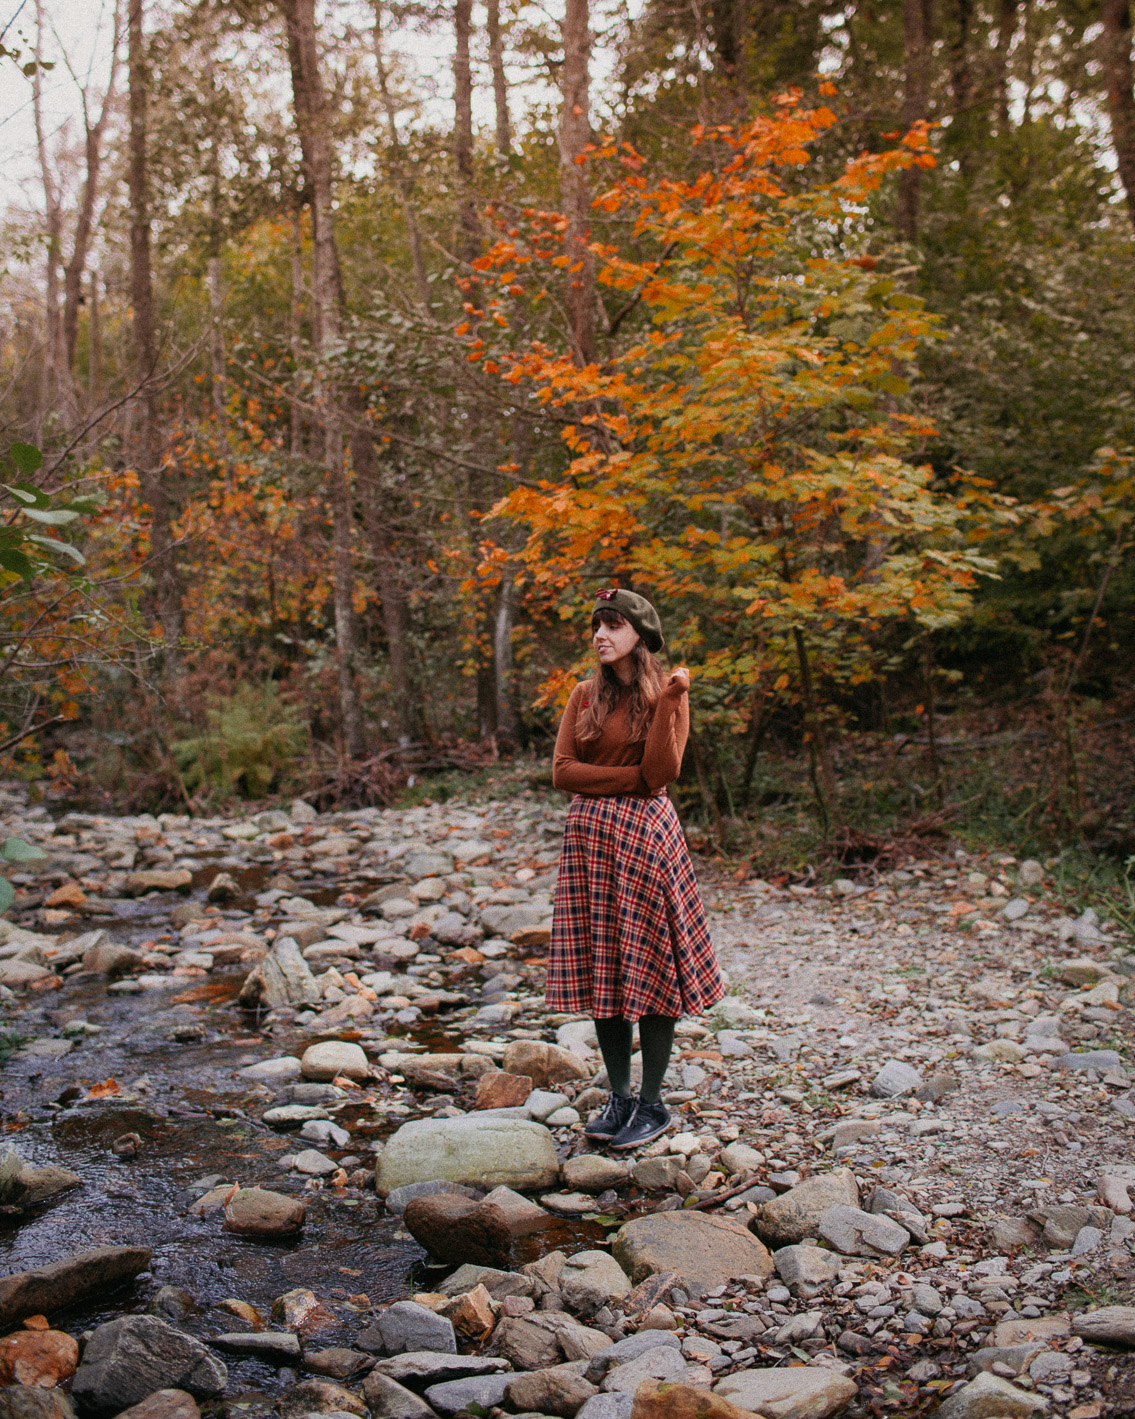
283,977
50,1288
479,1152
705,1251
799,1392
127,1359
785,1220
457,1229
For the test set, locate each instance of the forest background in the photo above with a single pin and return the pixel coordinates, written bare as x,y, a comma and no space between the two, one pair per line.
335,381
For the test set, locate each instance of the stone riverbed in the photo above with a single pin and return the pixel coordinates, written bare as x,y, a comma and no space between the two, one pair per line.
289,1130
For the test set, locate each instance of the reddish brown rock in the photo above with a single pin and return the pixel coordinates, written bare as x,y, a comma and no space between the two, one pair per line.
500,1090
656,1399
164,1404
43,1358
545,1064
457,1229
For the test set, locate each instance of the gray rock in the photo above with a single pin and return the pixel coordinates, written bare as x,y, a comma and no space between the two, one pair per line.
857,1233
607,1406
558,1391
1110,1325
1015,909
705,1250
479,1152
895,1078
127,1359
1087,1239
50,1288
454,1395
661,1363
1084,1059
31,1402
387,1399
277,1347
283,977
314,1164
989,1395
282,1070
657,1174
590,1280
330,1058
799,1392
397,1198
1030,873
739,1158
418,1368
629,1349
407,1326
795,1214
590,1172
806,1271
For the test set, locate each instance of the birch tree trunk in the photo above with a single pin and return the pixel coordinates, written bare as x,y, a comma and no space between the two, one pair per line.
917,19
51,389
574,136
148,451
1119,76
310,105
1006,28
295,328
468,242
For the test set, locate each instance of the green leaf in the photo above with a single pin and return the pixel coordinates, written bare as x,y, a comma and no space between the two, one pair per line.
26,493
17,850
54,517
7,894
27,458
13,560
65,547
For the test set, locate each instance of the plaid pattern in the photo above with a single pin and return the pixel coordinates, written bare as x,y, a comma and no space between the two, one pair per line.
629,933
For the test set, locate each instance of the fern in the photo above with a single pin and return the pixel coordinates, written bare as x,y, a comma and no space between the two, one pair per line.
252,741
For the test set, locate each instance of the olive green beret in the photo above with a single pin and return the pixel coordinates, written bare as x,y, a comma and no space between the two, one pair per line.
637,610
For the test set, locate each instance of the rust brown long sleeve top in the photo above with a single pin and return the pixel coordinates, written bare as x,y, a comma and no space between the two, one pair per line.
614,763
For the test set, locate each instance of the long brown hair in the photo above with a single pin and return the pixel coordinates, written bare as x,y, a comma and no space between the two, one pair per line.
604,689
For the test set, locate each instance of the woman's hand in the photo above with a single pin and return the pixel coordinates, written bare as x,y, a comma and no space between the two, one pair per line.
679,681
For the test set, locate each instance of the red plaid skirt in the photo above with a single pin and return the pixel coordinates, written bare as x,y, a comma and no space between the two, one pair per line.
629,932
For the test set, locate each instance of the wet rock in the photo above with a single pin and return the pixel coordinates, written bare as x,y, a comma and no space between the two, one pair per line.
545,1064
660,1399
800,1392
164,1404
456,1395
590,1172
42,1358
127,1359
387,1399
590,1280
991,1397
109,959
320,1397
1110,1325
558,1391
259,1212
857,1233
172,1303
706,1251
283,977
324,1062
406,1326
300,1309
480,1152
795,1214
398,1198
175,879
806,1271
49,1288
32,1186
337,1363
453,1228
282,1070
276,1347
30,1402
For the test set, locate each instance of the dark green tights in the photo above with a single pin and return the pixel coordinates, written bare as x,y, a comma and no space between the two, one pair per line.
656,1036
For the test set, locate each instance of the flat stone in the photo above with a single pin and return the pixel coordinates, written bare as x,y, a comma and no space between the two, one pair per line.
314,1164
418,1368
387,1399
479,1152
739,1158
176,879
706,1251
127,1359
661,1363
164,1404
799,1392
627,1349
795,1214
857,1233
1022,1329
276,1347
1109,1325
407,1326
455,1395
329,1059
991,1397
1081,1060
521,1215
608,1406
63,1283
398,1198
591,1172
498,1283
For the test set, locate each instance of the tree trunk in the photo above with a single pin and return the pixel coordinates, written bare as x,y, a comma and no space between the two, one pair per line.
94,340
217,351
401,173
469,241
963,125
823,774
51,388
574,137
500,84
295,330
148,454
507,721
1115,45
406,710
327,303
730,26
917,21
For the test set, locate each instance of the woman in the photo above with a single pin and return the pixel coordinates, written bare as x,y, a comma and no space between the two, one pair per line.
630,939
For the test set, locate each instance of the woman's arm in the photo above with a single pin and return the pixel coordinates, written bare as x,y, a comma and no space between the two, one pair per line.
574,776
666,738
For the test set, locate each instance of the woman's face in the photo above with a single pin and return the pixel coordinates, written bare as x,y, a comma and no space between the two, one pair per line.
614,640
